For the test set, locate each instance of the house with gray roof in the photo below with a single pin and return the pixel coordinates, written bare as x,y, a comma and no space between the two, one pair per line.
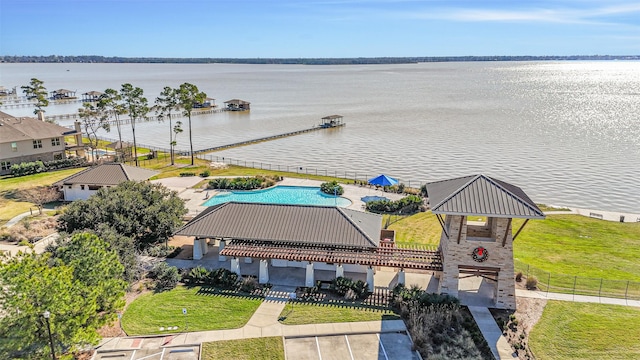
302,236
26,139
87,182
476,213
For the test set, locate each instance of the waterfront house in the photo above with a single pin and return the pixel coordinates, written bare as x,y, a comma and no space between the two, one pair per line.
332,121
92,96
237,105
208,103
87,182
26,139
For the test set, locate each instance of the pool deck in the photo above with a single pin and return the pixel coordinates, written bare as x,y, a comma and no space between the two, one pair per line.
194,198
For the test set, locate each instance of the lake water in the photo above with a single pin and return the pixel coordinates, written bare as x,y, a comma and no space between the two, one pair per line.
568,133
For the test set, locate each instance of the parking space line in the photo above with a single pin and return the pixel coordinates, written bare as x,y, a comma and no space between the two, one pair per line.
382,346
148,356
349,346
162,355
317,345
133,355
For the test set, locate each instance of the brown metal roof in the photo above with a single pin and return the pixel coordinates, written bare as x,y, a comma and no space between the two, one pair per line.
26,128
481,195
108,174
237,102
332,117
62,91
93,93
301,224
406,258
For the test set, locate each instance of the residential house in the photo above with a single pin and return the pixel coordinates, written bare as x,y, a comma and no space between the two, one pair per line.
26,139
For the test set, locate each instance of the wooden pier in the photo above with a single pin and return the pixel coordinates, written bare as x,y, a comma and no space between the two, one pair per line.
266,138
126,120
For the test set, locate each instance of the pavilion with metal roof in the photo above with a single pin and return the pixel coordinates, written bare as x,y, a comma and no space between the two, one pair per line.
317,235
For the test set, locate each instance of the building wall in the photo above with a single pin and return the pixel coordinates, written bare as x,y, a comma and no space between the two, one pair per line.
26,153
501,257
75,192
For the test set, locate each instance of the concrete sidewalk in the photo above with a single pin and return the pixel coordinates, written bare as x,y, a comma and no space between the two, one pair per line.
499,345
576,298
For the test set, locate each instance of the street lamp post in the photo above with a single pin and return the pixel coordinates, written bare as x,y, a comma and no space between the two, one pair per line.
46,315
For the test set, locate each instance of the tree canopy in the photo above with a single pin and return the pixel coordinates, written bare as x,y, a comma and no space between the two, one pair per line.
80,286
147,213
36,91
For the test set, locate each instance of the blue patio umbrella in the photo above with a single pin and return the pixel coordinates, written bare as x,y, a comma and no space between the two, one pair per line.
383,180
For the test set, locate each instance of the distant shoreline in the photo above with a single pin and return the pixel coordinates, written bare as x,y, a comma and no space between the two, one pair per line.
304,61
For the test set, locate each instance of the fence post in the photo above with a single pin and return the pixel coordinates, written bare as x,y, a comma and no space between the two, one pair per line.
626,291
575,278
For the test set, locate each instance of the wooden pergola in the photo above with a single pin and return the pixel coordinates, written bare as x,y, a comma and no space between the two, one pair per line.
402,258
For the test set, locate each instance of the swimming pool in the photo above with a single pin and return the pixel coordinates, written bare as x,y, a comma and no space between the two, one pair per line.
294,195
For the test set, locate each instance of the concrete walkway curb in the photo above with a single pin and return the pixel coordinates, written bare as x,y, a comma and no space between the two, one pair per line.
499,345
576,298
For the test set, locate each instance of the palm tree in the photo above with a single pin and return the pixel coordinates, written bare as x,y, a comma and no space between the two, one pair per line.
188,94
165,104
137,107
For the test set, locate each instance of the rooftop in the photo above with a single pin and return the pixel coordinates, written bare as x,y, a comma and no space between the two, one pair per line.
107,174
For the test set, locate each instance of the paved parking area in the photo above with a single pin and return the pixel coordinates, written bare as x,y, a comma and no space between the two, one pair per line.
169,353
385,346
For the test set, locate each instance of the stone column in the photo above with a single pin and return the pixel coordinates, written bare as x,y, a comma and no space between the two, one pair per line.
264,272
235,265
310,279
401,277
370,278
339,271
197,249
220,247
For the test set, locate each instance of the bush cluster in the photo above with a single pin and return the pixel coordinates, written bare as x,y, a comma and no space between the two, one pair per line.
165,277
221,278
331,188
187,173
35,167
350,289
205,173
161,250
243,183
408,204
439,326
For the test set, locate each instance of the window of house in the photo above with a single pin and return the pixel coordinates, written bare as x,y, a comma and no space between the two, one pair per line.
5,165
37,144
81,187
94,187
55,142
14,147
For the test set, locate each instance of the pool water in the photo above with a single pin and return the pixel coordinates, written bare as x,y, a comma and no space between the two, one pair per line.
294,195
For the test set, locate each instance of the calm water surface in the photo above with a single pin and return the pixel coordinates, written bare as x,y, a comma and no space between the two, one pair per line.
568,133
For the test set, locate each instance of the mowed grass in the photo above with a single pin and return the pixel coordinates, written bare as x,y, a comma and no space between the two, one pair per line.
10,204
418,229
267,348
205,311
320,313
570,330
582,246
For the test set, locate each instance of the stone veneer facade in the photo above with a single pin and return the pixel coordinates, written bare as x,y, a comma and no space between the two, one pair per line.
490,236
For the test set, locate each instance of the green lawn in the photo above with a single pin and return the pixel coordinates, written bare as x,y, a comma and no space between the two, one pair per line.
578,245
419,229
206,310
569,330
10,205
319,313
269,348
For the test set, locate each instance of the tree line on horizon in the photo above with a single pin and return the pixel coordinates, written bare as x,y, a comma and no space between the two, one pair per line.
302,61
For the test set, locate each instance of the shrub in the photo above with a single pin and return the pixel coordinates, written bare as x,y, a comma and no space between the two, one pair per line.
196,276
27,168
243,183
187,173
222,278
343,286
161,250
205,173
331,188
532,283
407,205
248,284
519,276
165,277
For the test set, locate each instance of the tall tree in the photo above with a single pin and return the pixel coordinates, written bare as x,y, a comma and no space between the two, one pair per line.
137,106
147,213
188,95
110,103
36,91
93,119
166,103
80,286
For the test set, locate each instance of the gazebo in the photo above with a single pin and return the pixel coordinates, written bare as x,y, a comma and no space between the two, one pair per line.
237,105
63,94
92,96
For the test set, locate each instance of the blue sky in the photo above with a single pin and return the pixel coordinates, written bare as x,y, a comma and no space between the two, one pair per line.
318,28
